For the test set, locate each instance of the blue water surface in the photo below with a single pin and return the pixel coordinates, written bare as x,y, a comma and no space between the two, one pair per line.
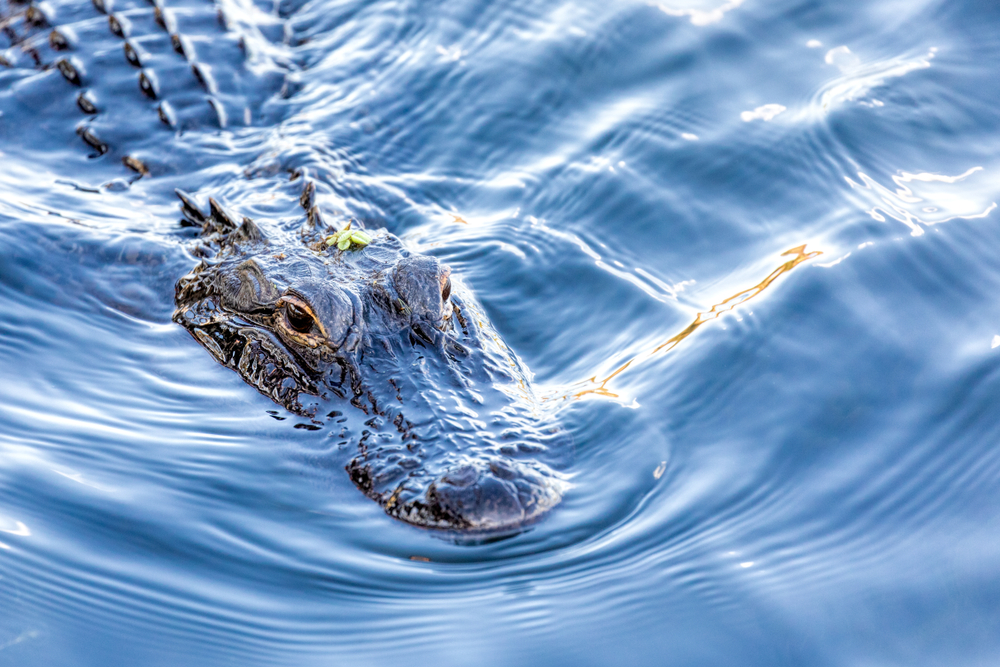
748,249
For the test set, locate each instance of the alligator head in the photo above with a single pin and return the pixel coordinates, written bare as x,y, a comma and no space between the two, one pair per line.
454,440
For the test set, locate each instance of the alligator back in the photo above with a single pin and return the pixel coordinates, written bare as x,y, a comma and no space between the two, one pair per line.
117,79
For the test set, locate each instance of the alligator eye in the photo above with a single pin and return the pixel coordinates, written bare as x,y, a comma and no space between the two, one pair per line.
446,290
298,319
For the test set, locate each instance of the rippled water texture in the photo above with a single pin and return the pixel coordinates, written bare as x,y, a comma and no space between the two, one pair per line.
748,249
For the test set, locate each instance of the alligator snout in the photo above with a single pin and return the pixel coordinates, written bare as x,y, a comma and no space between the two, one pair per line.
453,439
484,496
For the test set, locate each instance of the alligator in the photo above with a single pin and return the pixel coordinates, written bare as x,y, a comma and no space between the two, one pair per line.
322,312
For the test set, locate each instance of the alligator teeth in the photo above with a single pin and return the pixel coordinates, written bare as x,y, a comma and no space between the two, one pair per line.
210,345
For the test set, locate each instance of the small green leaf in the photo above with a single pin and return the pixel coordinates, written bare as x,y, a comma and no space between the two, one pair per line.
332,239
360,239
345,244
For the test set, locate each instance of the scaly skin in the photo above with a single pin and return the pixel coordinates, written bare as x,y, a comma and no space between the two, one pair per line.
453,440
190,64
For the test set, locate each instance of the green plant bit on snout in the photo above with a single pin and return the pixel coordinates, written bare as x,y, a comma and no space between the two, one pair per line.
347,237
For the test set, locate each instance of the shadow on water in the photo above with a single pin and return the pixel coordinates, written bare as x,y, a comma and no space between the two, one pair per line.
809,476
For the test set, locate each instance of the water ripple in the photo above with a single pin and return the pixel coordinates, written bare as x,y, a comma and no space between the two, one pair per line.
808,477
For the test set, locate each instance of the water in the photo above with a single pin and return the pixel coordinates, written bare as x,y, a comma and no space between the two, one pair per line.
796,466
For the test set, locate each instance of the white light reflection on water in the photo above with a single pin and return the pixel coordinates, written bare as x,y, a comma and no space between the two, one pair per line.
765,113
19,530
23,637
859,78
921,200
700,15
809,479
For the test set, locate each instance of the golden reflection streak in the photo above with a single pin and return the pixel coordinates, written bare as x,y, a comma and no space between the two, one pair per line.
798,255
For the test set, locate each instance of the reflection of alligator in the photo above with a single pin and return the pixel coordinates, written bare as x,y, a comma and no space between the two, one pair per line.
451,438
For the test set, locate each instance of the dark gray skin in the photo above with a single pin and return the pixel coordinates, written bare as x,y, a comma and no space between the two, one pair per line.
452,437
453,441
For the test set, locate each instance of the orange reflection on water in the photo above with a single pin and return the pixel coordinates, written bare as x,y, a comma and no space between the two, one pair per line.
797,254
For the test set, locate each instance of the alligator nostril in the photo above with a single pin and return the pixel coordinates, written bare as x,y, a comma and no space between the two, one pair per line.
492,496
502,470
466,498
460,477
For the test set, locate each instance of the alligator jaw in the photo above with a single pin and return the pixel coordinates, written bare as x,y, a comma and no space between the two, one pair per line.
493,497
